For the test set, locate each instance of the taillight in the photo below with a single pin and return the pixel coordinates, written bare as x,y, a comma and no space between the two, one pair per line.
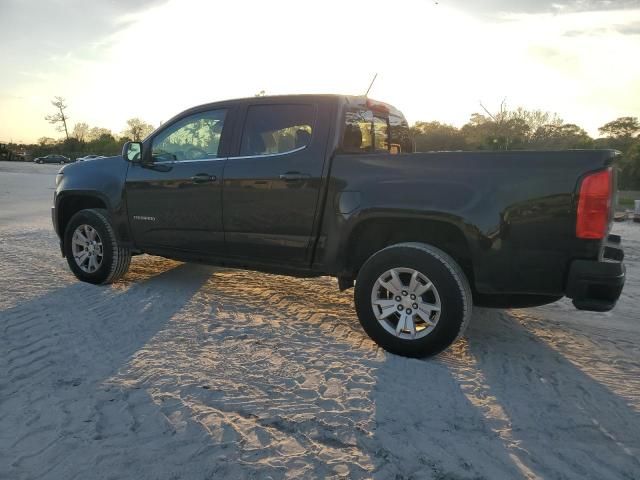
594,205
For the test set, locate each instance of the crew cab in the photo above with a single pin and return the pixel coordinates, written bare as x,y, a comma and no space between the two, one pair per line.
312,185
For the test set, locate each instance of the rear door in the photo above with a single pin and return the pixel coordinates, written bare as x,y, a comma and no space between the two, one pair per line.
271,187
175,201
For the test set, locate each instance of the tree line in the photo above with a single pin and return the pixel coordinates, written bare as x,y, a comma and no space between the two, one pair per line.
505,129
522,129
84,139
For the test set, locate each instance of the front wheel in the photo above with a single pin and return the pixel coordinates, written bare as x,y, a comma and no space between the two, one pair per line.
92,249
413,299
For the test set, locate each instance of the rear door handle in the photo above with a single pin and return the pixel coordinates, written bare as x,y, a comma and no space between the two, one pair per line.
203,178
293,176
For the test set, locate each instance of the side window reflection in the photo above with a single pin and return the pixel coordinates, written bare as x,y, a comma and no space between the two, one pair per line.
193,138
273,129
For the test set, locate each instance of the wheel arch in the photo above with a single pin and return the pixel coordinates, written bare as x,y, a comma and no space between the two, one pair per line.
68,204
373,234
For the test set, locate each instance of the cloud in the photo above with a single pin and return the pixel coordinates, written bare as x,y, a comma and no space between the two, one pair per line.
629,28
559,59
116,60
33,31
632,28
8,96
499,7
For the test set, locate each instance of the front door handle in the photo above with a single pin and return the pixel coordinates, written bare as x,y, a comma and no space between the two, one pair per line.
293,176
203,178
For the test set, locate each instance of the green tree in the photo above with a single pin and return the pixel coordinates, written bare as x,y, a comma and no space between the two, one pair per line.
105,144
46,141
629,167
620,133
623,127
560,137
95,133
72,146
534,119
436,136
495,133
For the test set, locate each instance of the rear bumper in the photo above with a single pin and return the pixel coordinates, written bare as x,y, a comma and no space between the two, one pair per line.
596,285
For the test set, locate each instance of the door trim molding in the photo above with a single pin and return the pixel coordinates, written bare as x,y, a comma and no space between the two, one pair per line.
178,162
268,154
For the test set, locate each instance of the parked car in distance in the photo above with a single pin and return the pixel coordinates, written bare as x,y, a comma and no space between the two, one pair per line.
89,157
52,158
311,185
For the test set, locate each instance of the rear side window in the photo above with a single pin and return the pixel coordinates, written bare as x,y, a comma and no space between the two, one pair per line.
368,132
358,131
273,129
401,138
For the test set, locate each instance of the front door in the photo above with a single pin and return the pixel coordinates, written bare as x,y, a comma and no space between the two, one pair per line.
271,187
174,197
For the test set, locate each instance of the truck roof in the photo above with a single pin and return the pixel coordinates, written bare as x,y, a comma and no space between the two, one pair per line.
360,101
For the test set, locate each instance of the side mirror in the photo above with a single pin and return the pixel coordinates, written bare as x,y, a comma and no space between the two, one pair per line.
132,152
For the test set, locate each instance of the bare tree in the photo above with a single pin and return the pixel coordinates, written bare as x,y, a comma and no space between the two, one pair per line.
81,131
59,119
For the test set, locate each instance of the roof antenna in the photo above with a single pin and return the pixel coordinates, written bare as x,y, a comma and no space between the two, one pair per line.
371,84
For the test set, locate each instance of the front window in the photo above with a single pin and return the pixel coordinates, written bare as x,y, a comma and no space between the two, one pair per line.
192,138
273,129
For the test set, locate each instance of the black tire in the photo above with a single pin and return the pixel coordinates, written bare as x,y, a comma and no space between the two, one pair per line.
447,277
115,260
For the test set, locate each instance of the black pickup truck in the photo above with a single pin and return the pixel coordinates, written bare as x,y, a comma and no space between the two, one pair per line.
312,185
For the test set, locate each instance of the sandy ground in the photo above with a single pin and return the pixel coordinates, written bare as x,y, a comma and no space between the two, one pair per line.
191,372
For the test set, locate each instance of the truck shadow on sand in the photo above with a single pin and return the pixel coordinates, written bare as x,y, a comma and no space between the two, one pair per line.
558,420
55,353
194,374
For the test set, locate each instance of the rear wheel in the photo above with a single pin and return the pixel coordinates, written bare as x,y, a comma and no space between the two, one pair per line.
92,249
413,299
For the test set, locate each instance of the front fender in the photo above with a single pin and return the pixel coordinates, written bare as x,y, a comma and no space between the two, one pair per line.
93,184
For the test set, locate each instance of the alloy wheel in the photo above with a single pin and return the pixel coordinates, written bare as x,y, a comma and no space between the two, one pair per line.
406,303
87,248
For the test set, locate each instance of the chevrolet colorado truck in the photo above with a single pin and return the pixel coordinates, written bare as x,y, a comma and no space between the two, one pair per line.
312,185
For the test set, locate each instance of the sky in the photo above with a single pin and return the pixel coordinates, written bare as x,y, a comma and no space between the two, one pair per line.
435,60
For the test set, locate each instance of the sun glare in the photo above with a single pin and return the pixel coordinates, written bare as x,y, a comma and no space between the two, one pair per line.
433,61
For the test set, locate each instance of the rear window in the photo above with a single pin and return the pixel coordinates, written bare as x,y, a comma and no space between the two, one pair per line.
367,131
273,129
